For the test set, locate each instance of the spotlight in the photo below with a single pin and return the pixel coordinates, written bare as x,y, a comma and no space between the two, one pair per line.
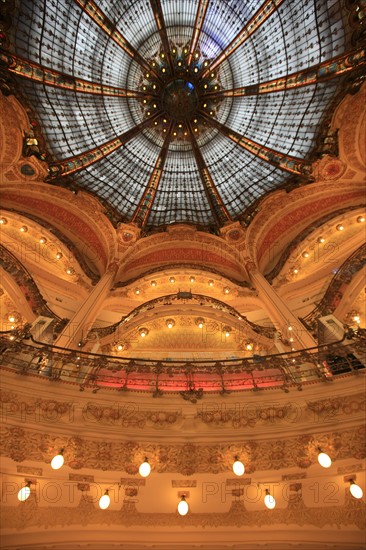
355,490
324,459
269,501
238,467
24,493
183,507
104,501
57,461
145,468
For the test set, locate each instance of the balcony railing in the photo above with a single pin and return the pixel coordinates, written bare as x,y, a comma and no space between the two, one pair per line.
22,354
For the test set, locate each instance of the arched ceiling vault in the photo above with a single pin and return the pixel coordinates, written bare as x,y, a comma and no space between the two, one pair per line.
180,112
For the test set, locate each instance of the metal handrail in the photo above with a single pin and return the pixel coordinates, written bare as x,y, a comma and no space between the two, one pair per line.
25,355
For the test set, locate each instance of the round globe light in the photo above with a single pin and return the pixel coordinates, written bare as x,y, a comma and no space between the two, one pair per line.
24,493
269,501
238,468
183,507
324,460
104,501
144,469
57,462
356,490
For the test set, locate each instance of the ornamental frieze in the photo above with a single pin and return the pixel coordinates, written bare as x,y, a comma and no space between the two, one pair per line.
29,515
188,459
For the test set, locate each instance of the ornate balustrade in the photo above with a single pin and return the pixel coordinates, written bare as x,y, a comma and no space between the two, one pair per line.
337,286
191,379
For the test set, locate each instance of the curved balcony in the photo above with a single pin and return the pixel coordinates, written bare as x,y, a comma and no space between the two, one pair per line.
191,379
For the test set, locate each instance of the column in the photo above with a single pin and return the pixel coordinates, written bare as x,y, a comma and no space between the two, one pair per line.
282,318
82,321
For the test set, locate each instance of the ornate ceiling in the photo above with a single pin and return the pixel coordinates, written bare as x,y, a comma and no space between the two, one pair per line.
238,107
180,111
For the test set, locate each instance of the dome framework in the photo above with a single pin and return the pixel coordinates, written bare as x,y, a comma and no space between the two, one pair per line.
180,111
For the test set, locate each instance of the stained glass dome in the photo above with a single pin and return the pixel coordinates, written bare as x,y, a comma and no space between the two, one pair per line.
180,110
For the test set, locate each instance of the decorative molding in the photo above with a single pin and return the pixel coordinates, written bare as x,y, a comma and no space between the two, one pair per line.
29,470
189,459
29,515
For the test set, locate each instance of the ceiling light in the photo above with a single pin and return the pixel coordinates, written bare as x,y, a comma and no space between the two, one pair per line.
360,219
143,332
192,279
104,501
355,490
210,282
119,347
200,322
43,240
70,271
356,318
226,290
183,506
226,330
137,291
321,240
153,283
23,229
59,255
324,459
12,317
170,323
172,279
249,346
145,468
3,221
289,327
24,493
340,227
269,501
295,270
58,461
238,467
305,254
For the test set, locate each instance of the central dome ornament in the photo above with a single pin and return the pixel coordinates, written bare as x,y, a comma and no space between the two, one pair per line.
180,99
180,89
